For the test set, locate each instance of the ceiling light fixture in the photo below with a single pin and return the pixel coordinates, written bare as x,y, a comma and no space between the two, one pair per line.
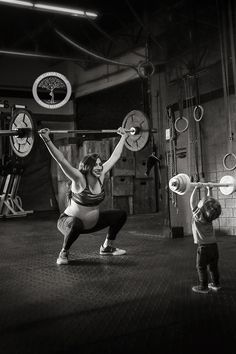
91,14
64,10
52,8
17,2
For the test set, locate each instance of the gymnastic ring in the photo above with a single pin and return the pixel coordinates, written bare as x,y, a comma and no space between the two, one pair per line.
185,128
146,69
198,107
224,161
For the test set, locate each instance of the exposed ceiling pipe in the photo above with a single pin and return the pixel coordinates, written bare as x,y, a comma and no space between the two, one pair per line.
50,8
86,51
143,25
38,55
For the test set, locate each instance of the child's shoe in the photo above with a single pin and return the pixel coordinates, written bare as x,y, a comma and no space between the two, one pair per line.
63,257
200,289
214,287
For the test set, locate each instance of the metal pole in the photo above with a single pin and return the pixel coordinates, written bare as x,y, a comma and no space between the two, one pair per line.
24,131
207,184
84,131
8,132
210,184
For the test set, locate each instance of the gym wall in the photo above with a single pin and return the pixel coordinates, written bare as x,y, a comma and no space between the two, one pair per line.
215,145
127,185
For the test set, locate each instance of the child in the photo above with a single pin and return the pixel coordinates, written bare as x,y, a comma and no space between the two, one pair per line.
204,212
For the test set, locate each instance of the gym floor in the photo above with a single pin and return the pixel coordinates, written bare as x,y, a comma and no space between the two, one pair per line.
138,303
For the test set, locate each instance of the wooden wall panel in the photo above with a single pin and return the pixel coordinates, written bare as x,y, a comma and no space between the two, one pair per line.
144,196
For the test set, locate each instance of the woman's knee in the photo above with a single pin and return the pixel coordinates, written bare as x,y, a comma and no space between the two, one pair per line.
76,224
68,224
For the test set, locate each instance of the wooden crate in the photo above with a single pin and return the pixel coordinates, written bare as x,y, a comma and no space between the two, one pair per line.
144,196
122,186
71,153
107,202
126,164
100,147
62,195
122,193
124,203
141,162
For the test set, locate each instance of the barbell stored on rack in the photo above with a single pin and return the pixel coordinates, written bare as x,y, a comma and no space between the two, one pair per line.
22,131
181,184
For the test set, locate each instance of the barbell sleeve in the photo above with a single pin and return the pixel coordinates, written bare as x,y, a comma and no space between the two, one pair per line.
9,132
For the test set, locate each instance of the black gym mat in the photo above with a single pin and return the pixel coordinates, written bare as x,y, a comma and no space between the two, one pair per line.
138,303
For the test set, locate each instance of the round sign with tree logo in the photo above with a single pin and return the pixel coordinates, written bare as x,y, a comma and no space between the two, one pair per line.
51,90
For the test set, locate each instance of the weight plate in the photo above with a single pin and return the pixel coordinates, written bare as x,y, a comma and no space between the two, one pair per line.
22,145
136,119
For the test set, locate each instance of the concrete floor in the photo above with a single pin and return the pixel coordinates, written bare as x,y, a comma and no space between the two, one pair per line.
138,303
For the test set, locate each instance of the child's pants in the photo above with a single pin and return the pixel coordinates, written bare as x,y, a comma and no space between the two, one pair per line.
207,258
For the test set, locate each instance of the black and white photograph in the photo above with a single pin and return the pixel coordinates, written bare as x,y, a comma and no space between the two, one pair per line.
117,177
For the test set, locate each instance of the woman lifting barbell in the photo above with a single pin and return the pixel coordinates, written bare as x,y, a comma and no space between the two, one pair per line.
82,215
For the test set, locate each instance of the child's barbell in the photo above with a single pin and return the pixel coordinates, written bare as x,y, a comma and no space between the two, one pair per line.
181,184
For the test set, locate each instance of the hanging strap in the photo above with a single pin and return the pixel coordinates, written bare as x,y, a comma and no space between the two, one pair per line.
198,132
171,157
225,77
189,148
193,141
181,119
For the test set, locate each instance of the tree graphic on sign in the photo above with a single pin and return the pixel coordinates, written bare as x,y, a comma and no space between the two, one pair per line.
50,84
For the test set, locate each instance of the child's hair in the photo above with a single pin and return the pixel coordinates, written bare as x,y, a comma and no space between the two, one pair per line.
87,163
210,208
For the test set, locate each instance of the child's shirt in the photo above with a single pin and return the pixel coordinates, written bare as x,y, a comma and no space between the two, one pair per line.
203,231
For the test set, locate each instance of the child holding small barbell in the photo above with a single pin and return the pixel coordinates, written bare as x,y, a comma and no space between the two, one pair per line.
204,212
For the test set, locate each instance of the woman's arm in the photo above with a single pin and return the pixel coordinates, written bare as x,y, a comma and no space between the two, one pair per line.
71,172
116,152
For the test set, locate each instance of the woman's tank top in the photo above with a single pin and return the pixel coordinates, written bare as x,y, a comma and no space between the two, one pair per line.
87,198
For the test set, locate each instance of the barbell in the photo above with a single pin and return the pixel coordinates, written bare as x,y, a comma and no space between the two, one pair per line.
22,133
181,184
